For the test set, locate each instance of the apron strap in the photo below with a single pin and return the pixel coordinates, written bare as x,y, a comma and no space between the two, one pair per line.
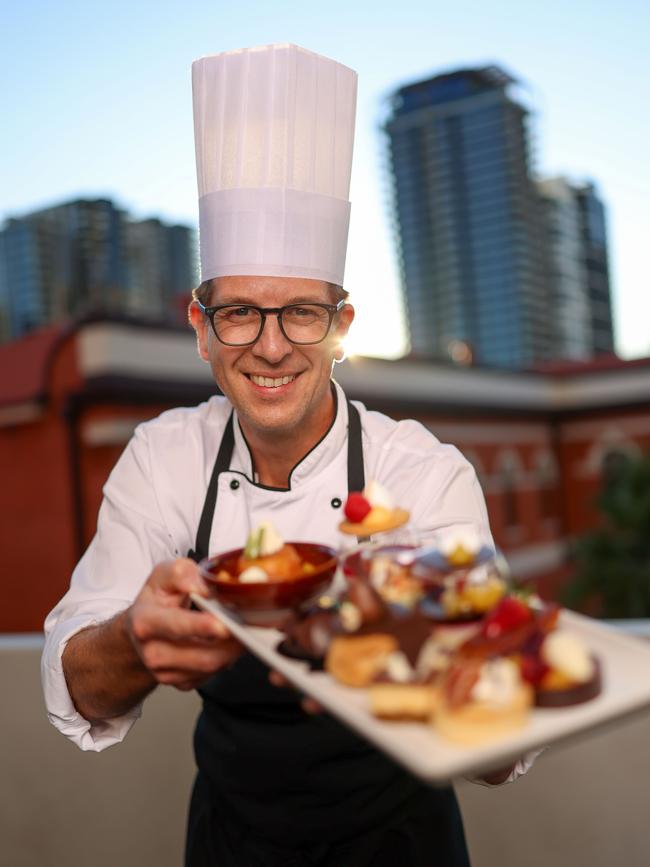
356,476
221,464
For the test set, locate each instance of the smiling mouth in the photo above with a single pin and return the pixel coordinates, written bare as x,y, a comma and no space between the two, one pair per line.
269,381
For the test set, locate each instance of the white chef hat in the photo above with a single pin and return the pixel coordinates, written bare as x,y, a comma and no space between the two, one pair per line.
273,128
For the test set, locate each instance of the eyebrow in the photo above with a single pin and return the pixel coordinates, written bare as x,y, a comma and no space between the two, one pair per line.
242,299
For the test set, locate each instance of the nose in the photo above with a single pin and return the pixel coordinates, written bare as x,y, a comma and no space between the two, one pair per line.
272,345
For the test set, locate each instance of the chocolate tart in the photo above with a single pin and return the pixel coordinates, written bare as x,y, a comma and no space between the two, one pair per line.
576,694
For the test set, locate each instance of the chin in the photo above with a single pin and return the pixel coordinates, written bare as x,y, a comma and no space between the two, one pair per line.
267,421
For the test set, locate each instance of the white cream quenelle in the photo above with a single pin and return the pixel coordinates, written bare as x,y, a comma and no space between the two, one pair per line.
274,129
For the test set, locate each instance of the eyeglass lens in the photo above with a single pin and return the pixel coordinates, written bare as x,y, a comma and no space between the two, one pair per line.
301,323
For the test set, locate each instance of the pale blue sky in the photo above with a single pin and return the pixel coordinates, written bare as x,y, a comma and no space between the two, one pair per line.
96,100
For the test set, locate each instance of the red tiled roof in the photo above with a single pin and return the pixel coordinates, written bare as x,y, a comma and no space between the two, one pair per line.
24,364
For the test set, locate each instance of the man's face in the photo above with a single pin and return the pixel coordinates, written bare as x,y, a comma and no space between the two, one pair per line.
303,403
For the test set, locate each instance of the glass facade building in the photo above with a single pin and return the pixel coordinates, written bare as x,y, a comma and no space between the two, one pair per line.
595,246
87,256
472,258
574,218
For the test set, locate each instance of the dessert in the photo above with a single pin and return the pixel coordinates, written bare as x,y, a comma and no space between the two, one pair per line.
481,700
471,592
266,557
380,567
474,674
466,583
407,686
354,660
516,622
310,632
552,660
391,654
459,549
268,579
561,671
371,511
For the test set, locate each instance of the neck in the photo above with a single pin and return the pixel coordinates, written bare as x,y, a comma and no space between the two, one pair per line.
276,453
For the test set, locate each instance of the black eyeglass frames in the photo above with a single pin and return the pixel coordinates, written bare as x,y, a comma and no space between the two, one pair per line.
242,324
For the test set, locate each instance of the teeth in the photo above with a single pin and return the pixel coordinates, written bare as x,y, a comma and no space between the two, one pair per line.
267,382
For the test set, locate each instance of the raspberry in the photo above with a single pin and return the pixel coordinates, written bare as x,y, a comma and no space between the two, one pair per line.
356,507
533,669
507,615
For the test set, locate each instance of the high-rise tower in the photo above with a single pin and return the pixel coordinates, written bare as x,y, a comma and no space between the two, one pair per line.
87,256
574,218
471,248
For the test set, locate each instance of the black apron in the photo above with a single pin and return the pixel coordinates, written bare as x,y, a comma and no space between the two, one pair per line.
277,786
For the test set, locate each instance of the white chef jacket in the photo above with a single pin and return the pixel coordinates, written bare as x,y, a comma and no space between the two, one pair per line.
154,496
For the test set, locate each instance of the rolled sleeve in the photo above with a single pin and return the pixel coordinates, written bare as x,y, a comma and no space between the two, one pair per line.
61,711
522,766
131,538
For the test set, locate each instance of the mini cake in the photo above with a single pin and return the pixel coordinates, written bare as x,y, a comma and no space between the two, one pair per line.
407,688
562,671
371,511
355,660
482,700
389,652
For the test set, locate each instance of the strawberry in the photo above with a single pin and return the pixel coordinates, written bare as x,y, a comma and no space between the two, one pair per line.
508,614
356,507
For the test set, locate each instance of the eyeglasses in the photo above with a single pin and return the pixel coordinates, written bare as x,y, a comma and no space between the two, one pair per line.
242,324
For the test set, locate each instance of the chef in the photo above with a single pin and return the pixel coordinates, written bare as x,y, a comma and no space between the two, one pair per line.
275,785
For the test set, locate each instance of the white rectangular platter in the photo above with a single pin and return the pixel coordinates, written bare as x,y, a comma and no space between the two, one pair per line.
625,665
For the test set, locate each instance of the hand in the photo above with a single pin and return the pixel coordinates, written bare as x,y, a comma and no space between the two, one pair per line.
178,646
309,705
498,776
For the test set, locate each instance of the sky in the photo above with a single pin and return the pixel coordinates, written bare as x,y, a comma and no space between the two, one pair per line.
95,100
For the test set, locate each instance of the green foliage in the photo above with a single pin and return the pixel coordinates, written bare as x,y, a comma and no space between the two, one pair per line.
613,563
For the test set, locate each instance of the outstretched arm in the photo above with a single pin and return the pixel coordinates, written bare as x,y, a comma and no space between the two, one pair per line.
111,667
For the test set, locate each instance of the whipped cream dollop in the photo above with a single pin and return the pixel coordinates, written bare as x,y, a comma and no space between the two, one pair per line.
498,682
460,547
263,541
567,654
350,616
378,496
253,575
398,668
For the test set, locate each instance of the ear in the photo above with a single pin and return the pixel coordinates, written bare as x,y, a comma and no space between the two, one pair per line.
200,325
343,322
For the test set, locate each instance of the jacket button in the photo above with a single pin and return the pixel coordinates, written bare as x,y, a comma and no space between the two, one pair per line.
336,503
234,484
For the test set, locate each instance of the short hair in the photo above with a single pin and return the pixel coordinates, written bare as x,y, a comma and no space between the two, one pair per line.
203,293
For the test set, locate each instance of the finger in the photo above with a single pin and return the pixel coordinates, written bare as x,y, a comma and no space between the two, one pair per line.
278,679
311,706
150,622
168,661
178,577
